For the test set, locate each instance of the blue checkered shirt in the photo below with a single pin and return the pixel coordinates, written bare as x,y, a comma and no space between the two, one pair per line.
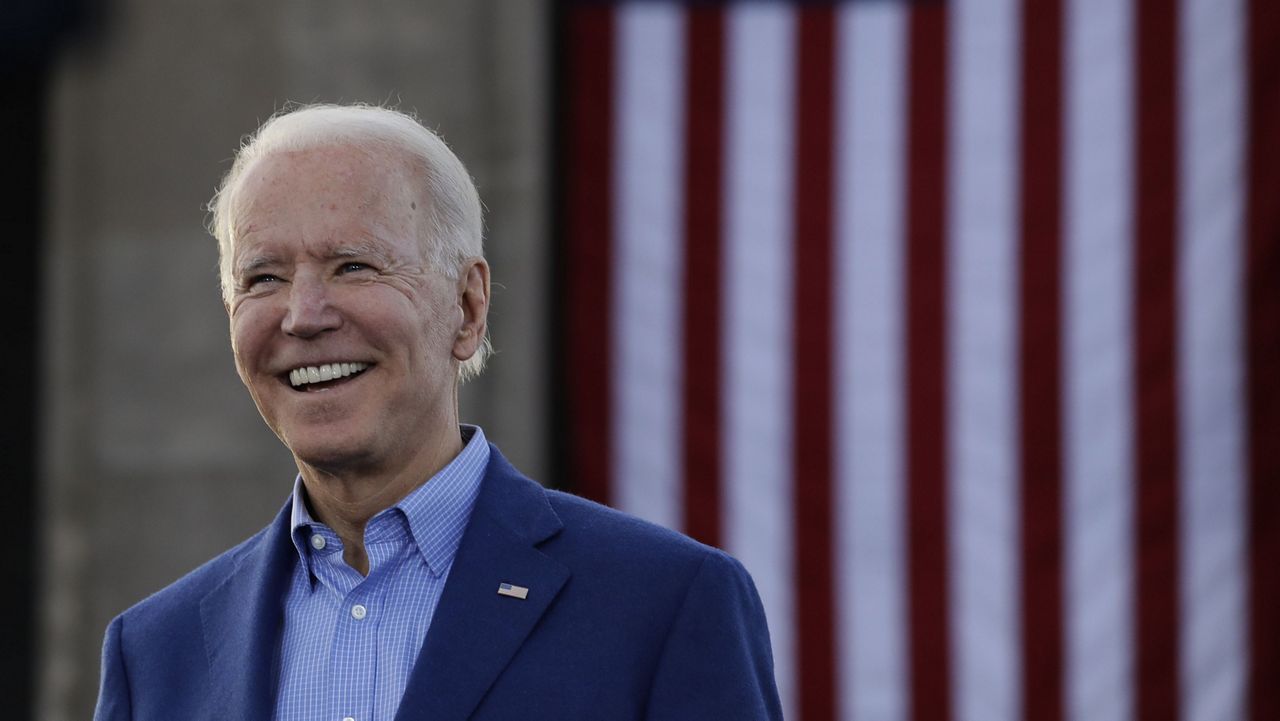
350,641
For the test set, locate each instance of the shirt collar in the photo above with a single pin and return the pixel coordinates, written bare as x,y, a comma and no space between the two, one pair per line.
436,511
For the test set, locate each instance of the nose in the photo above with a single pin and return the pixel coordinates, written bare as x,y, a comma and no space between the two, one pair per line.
310,309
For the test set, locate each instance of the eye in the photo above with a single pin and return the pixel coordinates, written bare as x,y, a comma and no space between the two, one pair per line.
352,267
259,279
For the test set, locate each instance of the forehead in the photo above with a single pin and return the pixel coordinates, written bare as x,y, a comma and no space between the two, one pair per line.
336,174
326,195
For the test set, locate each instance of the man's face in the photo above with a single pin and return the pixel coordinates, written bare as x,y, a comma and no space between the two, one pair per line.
332,285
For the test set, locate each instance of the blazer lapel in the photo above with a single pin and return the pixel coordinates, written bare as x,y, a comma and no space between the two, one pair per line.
242,620
476,631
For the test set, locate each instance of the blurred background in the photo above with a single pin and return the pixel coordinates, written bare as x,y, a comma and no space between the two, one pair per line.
957,322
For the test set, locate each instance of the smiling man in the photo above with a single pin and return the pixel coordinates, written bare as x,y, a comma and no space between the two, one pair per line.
412,573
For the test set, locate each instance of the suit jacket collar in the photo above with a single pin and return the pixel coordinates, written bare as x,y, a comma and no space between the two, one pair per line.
242,619
475,631
474,634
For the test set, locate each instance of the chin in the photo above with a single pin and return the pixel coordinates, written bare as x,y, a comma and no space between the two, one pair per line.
329,452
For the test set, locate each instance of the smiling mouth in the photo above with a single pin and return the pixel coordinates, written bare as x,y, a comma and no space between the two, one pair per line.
328,375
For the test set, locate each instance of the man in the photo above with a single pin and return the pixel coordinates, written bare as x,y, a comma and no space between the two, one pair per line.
413,573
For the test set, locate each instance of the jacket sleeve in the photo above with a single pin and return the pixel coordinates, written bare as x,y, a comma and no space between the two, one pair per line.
114,702
716,661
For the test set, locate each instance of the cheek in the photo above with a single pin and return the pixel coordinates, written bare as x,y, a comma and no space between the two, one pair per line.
250,333
440,333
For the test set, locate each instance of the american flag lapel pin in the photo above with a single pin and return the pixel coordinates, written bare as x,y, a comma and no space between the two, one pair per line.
512,590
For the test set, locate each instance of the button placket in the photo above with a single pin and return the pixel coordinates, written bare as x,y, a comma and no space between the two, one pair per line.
354,648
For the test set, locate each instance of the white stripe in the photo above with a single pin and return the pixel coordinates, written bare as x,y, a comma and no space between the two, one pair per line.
757,325
982,347
1210,301
869,381
1097,451
647,322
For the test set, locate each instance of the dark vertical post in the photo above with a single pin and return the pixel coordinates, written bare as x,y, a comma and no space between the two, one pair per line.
30,31
21,179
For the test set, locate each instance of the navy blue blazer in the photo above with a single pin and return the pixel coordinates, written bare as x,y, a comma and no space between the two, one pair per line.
623,620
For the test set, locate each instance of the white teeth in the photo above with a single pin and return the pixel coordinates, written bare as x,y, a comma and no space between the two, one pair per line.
325,372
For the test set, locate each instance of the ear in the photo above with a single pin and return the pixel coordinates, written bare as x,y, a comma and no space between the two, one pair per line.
473,300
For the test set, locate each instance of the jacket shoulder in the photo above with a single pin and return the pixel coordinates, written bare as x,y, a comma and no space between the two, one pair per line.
183,596
612,538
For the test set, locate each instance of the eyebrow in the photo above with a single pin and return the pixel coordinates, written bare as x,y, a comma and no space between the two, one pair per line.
354,251
255,263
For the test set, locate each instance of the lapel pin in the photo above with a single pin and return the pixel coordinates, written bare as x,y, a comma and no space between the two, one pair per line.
512,590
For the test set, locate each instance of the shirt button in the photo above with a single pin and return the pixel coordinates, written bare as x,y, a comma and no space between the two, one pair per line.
349,718
317,541
358,612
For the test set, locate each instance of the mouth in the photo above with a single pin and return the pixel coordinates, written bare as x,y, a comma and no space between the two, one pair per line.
310,379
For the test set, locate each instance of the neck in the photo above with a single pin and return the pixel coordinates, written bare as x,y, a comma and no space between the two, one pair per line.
344,499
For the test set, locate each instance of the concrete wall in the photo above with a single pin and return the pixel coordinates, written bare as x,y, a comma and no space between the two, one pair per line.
155,458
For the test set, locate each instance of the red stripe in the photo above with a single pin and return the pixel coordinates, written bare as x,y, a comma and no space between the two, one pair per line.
1263,329
813,413
704,153
1041,372
1155,372
588,262
926,294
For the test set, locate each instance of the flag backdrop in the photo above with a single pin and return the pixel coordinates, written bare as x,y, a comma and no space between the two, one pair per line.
958,323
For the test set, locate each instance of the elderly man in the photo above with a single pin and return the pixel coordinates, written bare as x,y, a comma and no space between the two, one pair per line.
413,573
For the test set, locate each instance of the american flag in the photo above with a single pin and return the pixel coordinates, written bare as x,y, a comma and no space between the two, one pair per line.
958,323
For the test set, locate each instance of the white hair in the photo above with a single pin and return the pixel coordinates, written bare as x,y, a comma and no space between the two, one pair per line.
454,215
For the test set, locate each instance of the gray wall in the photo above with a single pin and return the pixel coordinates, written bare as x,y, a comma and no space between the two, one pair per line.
155,458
